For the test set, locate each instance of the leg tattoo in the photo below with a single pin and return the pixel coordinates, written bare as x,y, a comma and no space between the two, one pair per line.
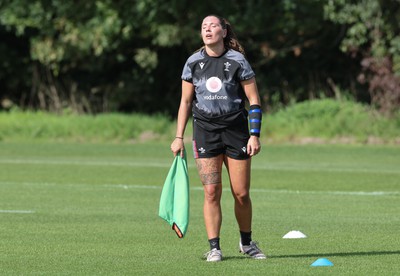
211,178
209,170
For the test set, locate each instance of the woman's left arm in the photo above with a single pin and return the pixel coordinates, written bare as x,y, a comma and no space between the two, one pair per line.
251,91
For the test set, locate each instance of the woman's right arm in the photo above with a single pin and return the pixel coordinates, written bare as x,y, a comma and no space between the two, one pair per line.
185,108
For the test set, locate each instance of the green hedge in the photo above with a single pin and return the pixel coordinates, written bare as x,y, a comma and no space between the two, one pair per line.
99,128
312,121
331,120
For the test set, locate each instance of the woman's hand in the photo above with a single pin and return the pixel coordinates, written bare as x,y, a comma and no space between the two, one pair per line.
177,146
253,145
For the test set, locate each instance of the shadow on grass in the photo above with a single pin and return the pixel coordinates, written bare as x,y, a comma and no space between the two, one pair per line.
225,258
338,254
316,255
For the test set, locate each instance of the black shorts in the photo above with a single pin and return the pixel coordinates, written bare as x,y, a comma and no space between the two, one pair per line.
230,140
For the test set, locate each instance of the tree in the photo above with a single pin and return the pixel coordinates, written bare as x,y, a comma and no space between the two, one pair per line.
373,33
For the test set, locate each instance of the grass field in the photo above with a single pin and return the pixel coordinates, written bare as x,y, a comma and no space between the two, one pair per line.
92,209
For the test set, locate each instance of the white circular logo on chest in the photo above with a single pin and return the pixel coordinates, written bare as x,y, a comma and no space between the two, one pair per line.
214,84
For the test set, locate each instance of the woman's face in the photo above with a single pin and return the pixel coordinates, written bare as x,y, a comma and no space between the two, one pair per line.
212,31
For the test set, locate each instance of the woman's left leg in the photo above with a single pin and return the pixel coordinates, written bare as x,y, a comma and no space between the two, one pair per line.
239,176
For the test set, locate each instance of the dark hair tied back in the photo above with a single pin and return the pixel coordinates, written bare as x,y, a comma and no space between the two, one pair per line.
230,40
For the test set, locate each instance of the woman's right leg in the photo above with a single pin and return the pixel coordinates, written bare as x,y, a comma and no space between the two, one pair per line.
210,175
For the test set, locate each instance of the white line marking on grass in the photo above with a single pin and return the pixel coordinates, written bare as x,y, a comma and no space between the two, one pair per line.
255,190
86,163
349,193
356,193
122,186
17,211
322,168
168,162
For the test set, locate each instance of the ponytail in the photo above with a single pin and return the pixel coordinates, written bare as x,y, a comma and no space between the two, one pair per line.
230,40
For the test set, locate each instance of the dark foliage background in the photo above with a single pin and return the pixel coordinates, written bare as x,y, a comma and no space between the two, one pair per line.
127,56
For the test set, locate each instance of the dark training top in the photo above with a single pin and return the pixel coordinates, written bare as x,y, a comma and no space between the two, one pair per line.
219,97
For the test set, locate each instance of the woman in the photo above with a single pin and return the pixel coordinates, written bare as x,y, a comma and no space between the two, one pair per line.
216,81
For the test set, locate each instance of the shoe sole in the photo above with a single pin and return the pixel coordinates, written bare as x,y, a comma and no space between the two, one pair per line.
214,261
255,258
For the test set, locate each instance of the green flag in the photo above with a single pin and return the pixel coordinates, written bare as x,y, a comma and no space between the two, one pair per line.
174,200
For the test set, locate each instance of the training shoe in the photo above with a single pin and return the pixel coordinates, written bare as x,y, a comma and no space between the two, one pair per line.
252,250
214,255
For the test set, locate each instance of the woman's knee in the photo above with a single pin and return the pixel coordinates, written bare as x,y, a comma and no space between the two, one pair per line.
212,192
242,197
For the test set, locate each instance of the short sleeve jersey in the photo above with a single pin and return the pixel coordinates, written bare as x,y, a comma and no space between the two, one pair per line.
217,80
